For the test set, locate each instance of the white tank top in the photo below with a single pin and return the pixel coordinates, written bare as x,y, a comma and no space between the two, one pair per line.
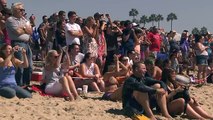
90,70
199,52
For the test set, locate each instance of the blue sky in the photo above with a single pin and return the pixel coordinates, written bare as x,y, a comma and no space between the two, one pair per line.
190,13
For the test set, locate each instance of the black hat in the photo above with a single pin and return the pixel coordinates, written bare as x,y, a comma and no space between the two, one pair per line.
97,15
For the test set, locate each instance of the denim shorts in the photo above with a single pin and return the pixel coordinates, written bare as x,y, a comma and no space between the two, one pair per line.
202,60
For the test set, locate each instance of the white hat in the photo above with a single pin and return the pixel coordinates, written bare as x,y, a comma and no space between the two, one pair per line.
134,24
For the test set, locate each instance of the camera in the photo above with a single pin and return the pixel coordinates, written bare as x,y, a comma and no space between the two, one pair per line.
20,48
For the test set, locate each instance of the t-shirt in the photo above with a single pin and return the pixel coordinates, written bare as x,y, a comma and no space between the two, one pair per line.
12,24
51,76
78,58
156,41
69,38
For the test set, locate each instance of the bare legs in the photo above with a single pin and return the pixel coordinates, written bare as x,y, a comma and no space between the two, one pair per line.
98,86
69,87
199,110
162,103
117,94
202,69
177,107
143,100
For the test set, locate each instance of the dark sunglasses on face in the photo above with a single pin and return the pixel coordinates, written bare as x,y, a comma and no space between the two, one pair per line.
22,10
90,58
55,56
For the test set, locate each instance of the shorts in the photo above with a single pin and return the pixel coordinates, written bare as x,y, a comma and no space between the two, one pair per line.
106,96
54,88
202,60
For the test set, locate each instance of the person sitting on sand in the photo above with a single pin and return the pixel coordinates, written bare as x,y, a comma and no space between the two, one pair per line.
56,82
152,70
140,93
179,100
8,65
76,58
89,69
114,80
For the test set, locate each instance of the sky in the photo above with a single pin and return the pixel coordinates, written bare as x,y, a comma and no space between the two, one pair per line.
190,13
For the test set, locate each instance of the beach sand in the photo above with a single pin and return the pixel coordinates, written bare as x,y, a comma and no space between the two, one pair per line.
91,108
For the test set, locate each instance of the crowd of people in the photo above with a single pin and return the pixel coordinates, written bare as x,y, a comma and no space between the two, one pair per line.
127,62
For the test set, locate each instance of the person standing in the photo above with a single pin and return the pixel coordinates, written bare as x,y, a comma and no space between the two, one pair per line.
43,29
19,31
3,4
73,31
201,58
156,40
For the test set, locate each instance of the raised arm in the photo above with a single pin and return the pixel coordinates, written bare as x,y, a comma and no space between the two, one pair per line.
67,63
6,61
24,63
91,33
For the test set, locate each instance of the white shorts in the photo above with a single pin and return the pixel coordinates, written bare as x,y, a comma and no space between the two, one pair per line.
54,88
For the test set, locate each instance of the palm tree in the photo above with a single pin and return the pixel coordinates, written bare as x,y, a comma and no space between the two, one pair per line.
133,13
195,31
171,17
144,20
159,18
152,18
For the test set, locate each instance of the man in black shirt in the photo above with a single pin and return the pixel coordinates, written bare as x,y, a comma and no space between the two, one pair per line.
140,94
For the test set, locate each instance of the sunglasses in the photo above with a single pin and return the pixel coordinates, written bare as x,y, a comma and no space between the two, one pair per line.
56,56
22,10
90,58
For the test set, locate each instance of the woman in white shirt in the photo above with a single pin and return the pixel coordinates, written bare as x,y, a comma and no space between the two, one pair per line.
88,69
201,57
56,82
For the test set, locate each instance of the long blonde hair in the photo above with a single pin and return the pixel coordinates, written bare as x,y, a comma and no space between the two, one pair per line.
48,60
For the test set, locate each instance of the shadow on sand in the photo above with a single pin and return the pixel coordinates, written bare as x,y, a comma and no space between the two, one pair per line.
115,111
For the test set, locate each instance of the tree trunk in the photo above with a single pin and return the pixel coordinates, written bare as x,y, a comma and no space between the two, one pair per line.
171,26
158,24
144,24
152,23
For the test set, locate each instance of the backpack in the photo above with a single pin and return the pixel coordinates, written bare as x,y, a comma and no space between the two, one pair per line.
35,35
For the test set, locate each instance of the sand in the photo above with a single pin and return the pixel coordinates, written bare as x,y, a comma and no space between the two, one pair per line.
91,108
